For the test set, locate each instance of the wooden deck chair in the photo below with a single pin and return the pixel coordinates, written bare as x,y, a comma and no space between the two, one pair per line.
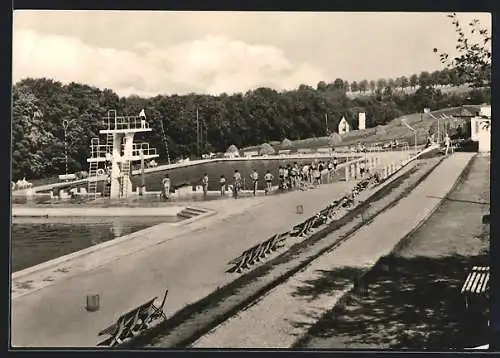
476,283
254,255
278,241
244,263
158,310
269,245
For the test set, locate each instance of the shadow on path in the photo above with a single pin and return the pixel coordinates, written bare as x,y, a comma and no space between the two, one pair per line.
410,303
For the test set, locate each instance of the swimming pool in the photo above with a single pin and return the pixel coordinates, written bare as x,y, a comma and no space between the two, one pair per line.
36,240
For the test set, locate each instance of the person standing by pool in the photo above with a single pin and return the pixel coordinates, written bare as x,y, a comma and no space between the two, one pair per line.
268,178
204,182
329,167
362,168
321,167
447,143
281,176
237,183
296,173
285,178
165,188
254,176
293,176
316,175
305,172
222,183
312,172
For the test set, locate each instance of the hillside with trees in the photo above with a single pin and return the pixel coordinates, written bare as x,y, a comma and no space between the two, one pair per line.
41,105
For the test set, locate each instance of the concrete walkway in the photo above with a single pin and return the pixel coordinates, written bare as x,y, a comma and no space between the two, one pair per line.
282,316
190,260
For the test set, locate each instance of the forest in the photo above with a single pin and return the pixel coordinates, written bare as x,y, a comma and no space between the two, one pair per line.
260,115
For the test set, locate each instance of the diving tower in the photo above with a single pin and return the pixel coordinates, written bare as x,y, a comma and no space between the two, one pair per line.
117,153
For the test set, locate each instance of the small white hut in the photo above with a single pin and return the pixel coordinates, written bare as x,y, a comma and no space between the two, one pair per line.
344,126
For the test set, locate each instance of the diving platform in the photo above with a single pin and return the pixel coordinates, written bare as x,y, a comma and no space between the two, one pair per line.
125,124
117,152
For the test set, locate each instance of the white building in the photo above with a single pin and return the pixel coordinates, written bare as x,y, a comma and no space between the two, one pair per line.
481,129
362,121
344,126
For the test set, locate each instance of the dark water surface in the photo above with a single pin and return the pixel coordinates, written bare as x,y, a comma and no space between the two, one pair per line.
38,240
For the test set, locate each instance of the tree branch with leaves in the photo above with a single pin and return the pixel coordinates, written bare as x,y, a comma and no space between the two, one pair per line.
473,60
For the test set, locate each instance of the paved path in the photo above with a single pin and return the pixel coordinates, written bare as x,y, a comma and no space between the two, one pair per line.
425,310
283,316
190,261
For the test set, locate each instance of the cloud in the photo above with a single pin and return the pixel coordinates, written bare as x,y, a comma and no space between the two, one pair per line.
212,64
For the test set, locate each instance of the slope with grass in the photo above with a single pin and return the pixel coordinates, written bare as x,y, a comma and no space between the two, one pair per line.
421,122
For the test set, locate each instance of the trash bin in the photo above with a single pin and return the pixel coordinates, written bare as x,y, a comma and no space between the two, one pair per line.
93,303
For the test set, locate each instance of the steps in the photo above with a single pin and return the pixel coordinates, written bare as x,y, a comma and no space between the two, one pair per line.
189,213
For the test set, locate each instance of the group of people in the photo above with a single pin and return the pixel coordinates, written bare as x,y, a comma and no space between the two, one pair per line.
316,172
237,183
290,176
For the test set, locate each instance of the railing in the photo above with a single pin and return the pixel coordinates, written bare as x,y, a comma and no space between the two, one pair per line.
144,147
127,122
99,150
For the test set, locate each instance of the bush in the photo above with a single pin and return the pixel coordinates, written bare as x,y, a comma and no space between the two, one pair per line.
266,149
286,144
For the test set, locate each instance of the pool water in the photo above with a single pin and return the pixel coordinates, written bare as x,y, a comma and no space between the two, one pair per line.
193,174
38,240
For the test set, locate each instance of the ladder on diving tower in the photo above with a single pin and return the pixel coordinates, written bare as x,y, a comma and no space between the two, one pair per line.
93,168
109,143
124,175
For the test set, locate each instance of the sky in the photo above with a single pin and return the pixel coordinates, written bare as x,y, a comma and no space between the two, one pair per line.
157,52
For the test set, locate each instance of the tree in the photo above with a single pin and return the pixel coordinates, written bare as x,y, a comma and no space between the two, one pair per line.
372,86
321,86
381,84
354,86
398,82
404,82
424,79
455,79
473,61
338,84
434,78
363,86
444,77
346,86
391,83
413,81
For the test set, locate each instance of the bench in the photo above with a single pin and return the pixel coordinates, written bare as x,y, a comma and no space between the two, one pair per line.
134,323
257,252
476,283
